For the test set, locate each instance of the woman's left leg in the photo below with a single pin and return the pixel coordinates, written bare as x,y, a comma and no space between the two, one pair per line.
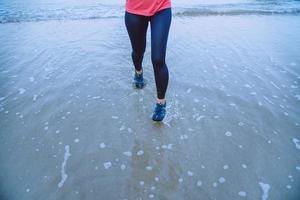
160,25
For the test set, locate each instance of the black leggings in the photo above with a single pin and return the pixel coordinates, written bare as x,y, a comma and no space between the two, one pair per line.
137,29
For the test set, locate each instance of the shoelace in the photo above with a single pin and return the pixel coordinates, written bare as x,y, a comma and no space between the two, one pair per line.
159,107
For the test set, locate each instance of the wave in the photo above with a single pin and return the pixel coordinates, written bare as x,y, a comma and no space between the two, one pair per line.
17,15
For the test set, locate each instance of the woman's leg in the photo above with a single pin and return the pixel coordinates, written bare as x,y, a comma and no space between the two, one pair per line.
136,26
160,25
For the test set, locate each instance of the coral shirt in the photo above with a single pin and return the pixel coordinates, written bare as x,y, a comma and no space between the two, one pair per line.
146,7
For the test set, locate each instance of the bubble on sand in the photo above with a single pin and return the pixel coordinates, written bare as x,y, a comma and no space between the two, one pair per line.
244,166
21,90
149,168
298,168
222,180
200,117
289,187
102,145
199,183
114,117
127,153
27,190
142,182
228,133
215,184
296,142
123,167
180,180
189,90
242,193
190,173
122,128
166,146
76,140
107,165
225,167
139,153
31,79
265,188
184,137
151,196
34,97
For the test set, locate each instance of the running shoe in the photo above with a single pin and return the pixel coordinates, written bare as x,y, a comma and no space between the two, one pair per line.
159,112
138,80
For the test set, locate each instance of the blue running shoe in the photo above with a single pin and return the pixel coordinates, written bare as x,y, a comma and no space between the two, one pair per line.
138,80
159,112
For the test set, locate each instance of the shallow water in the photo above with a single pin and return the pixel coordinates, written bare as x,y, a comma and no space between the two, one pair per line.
73,127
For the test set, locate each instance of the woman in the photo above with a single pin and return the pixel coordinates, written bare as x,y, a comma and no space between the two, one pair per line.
137,15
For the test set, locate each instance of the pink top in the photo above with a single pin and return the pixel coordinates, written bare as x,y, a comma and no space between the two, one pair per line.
146,7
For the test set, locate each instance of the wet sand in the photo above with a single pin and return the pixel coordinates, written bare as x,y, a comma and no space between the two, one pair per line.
73,127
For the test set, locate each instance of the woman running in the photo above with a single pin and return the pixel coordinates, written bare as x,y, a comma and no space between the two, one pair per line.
137,15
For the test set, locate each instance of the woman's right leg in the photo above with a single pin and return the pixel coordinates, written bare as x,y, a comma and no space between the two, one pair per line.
136,26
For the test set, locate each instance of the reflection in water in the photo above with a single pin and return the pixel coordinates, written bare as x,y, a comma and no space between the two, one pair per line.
154,170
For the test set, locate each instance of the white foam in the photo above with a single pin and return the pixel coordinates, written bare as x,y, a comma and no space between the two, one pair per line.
149,168
222,180
31,79
228,133
242,193
200,117
123,167
241,124
34,97
265,188
276,86
21,90
184,137
166,146
102,145
139,153
189,90
296,142
199,183
122,128
127,153
64,176
190,173
107,165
